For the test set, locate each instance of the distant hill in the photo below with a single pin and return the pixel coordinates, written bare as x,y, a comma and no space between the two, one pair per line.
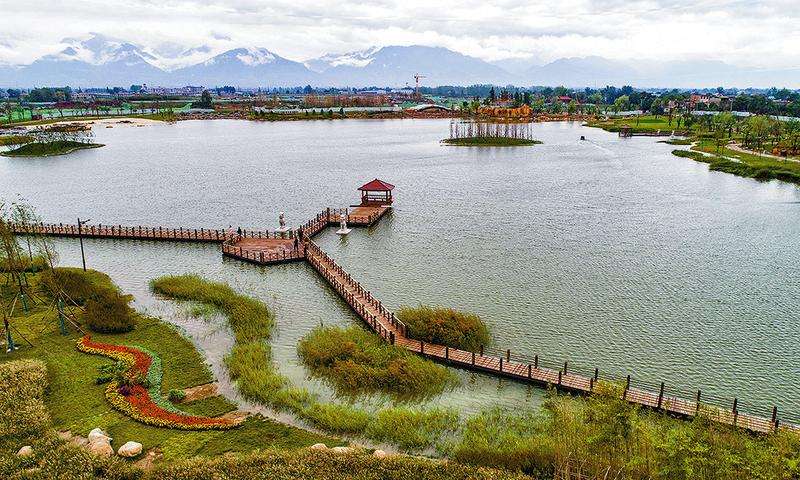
102,61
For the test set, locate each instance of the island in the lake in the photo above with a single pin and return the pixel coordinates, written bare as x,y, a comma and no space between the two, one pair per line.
49,149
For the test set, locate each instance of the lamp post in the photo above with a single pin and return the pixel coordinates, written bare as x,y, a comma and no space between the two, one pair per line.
80,237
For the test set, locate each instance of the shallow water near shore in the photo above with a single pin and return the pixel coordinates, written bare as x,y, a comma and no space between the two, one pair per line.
607,253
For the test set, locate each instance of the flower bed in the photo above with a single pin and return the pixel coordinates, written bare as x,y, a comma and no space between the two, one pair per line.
139,396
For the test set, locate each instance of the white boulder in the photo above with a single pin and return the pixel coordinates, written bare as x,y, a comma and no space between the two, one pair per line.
318,446
130,449
341,450
25,451
98,434
101,447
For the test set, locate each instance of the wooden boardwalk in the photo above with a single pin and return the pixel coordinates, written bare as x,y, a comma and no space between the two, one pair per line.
264,248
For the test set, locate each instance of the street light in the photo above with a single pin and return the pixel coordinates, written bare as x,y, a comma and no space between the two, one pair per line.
80,237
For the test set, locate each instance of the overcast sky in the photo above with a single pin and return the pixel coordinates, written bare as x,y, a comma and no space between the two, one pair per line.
756,33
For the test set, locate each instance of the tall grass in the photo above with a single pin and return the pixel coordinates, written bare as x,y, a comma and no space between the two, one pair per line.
445,326
250,364
605,437
249,319
356,362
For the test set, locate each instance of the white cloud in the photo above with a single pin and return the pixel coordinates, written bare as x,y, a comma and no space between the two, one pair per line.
755,34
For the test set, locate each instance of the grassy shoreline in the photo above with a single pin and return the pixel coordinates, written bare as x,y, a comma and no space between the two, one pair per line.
78,404
49,149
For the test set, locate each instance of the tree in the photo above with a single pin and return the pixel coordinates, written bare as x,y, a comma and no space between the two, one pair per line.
492,95
621,103
205,101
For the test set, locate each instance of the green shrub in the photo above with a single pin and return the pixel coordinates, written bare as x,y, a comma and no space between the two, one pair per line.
22,409
108,312
176,396
79,286
355,361
445,326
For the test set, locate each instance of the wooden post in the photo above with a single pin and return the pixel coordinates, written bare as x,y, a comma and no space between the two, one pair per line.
481,350
775,417
660,396
591,384
446,352
627,386
536,362
421,347
529,370
735,411
501,364
559,377
596,373
508,355
473,358
697,408
565,368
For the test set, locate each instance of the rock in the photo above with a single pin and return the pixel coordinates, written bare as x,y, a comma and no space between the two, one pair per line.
25,451
341,450
130,449
96,434
380,454
318,446
101,447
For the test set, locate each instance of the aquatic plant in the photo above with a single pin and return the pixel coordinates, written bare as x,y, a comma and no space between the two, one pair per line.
445,326
356,362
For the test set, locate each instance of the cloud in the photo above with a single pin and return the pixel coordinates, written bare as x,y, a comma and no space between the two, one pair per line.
762,34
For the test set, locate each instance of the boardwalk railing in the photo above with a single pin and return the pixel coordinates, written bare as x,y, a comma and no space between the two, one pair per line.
122,231
261,257
370,309
561,377
383,322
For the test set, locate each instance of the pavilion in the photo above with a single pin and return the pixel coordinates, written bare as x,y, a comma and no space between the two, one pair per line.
376,193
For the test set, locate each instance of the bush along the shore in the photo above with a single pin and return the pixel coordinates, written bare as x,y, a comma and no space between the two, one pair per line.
445,326
356,362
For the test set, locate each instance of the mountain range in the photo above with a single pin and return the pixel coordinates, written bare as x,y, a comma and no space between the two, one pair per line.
101,61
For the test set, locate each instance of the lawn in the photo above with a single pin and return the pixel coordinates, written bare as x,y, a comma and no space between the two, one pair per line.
77,404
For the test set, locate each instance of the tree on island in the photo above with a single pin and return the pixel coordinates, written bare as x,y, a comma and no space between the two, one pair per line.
205,101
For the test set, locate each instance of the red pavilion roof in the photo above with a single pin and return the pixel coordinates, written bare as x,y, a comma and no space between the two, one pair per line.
376,186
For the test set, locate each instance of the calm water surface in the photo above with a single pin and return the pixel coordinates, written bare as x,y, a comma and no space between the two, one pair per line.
608,253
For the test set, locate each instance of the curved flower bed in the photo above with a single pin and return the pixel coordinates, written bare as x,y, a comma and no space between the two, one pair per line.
142,400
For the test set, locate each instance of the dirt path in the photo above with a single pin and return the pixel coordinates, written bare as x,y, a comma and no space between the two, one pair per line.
738,148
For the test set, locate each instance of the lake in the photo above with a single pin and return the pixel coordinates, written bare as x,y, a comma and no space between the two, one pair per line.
608,253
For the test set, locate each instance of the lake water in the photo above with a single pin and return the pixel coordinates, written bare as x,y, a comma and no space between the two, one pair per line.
607,253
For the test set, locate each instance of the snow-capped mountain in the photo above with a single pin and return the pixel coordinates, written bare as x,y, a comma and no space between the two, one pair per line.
247,67
102,61
97,61
396,66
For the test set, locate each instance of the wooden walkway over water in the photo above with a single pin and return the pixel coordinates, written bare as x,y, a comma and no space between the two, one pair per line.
264,248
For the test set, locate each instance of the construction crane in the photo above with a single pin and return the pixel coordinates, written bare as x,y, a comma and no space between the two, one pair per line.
417,76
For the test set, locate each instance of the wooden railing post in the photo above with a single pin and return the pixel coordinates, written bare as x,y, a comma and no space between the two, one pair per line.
565,368
529,370
508,355
697,403
735,411
775,417
536,362
627,387
559,377
481,349
660,396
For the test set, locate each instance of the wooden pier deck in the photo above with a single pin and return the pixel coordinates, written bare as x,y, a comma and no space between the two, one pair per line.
264,248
